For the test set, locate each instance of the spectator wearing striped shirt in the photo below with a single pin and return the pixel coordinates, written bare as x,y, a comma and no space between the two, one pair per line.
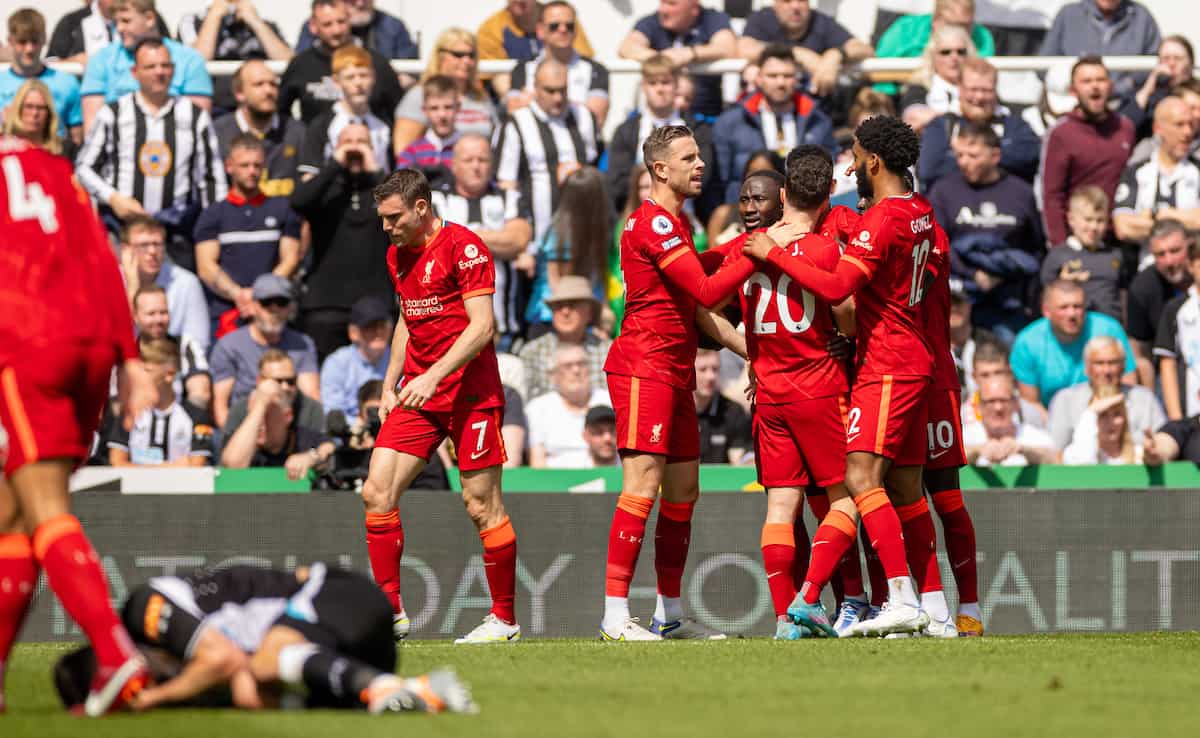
151,153
152,320
501,218
433,152
543,143
244,235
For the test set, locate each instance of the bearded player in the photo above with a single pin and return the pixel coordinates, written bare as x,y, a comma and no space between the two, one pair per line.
884,267
449,386
64,323
651,374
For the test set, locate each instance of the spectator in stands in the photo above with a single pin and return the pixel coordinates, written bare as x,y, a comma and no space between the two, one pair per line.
1089,146
543,143
1048,354
110,73
556,418
600,435
348,242
1178,440
244,235
376,30
1167,185
867,104
87,30
365,359
456,56
152,320
977,103
575,310
587,79
685,33
169,433
995,232
355,80
31,116
434,152
235,358
576,244
1002,437
660,83
1153,288
501,218
134,162
276,425
256,89
724,425
1087,257
1177,346
990,359
309,76
143,248
820,45
910,35
514,427
511,33
1104,433
1176,59
232,30
777,117
932,90
27,38
1104,28
1103,363
1057,99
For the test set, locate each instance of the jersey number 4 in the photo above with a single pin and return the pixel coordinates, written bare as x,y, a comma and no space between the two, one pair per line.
783,309
28,201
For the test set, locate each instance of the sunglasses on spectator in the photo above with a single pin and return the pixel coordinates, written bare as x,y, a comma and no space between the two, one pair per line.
276,302
568,26
459,54
948,52
285,381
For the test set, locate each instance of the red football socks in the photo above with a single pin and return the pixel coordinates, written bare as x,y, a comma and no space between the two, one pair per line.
385,546
959,533
672,537
920,544
500,564
73,571
830,543
879,583
625,539
18,579
800,562
883,529
779,553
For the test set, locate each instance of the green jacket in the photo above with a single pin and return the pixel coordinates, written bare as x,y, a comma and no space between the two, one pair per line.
909,36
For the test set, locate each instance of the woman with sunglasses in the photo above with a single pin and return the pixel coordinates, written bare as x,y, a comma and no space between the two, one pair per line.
455,55
933,88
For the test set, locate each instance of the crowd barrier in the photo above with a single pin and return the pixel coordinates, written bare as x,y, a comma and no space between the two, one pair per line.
1062,560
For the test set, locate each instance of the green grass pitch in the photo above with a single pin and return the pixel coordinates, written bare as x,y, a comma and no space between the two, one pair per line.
1062,686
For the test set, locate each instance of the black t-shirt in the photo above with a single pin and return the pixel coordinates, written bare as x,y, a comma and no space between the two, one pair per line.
723,425
308,79
283,143
823,34
1148,293
1186,433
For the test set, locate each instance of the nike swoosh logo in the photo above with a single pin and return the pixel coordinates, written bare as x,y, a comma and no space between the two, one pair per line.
476,455
939,454
818,543
774,574
962,563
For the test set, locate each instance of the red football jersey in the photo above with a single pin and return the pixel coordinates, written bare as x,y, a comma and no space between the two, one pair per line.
432,281
892,247
788,329
59,279
841,224
658,332
937,314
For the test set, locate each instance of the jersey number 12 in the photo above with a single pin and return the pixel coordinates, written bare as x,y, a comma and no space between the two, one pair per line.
920,258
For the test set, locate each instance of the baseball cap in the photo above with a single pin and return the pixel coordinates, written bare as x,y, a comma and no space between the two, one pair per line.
270,285
599,414
367,310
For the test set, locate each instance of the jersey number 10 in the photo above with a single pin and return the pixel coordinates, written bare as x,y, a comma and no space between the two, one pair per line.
766,291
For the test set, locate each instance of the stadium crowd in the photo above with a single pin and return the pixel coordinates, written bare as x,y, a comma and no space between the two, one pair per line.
254,259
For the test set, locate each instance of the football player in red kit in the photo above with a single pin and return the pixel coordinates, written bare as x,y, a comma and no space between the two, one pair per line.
651,374
449,385
64,324
884,268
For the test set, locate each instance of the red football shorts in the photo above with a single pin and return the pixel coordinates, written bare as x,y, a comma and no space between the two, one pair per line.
51,399
886,418
475,433
943,430
801,443
655,418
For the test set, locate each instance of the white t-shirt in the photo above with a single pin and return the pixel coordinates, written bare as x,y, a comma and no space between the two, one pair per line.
1027,435
559,430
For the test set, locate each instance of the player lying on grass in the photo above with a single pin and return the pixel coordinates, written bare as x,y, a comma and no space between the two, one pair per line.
244,636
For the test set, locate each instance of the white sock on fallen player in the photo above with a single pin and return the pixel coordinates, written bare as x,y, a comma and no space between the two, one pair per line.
934,605
616,612
971,610
668,609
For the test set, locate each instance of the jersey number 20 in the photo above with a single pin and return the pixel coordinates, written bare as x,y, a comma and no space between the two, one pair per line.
28,201
780,292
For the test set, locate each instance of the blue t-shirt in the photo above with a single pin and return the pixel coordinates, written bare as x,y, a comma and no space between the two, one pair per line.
538,311
236,356
823,34
64,88
109,72
708,86
1038,358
